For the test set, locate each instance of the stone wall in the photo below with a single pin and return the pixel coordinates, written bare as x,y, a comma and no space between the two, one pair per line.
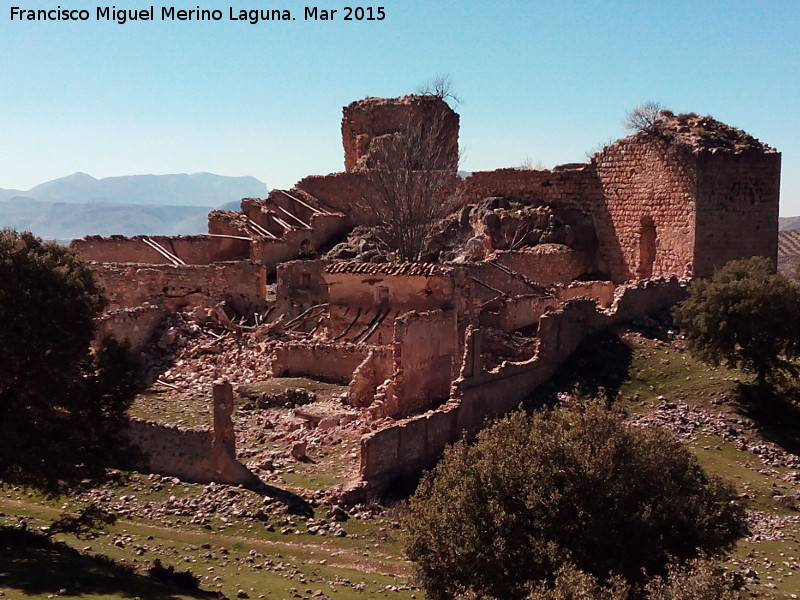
242,283
373,372
415,443
737,208
341,192
545,263
423,356
300,285
365,298
373,125
191,249
511,314
649,189
136,325
323,360
572,186
199,454
296,241
600,292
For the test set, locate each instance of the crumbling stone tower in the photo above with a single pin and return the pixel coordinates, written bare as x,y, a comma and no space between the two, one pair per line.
370,128
685,198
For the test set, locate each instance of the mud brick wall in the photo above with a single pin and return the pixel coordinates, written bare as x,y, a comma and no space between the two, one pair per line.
136,325
127,285
327,361
372,122
545,264
737,208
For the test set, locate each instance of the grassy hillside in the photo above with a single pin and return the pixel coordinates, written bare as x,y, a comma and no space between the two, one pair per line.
285,542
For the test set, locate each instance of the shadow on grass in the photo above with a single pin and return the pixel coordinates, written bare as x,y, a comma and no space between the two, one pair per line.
295,504
601,361
776,414
35,564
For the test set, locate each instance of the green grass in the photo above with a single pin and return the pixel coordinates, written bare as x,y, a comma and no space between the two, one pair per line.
633,368
289,564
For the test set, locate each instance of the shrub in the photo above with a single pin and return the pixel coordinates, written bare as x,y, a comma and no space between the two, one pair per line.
578,486
61,406
745,316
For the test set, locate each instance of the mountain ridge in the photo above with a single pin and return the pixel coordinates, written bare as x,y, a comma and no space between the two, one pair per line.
176,189
79,204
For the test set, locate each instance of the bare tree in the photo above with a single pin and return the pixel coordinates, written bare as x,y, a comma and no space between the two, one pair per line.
440,86
644,117
414,180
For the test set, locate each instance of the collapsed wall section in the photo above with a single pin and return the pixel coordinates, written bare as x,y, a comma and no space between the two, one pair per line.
415,443
424,348
136,325
365,298
300,285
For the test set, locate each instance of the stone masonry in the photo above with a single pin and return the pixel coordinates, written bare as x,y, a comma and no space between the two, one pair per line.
530,263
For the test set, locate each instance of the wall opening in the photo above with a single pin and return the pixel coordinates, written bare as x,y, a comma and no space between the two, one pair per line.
647,247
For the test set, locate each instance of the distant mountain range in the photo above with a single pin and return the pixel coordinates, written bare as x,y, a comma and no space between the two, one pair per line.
786,223
80,205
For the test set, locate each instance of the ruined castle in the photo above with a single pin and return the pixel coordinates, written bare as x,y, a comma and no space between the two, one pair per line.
429,350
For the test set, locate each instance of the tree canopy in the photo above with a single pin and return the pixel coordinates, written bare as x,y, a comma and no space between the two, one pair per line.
745,316
61,405
576,487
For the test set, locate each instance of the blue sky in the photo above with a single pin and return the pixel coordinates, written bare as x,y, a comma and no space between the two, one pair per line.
542,81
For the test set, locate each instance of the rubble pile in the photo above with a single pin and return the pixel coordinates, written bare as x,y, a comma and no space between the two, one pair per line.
186,353
362,245
689,421
499,346
474,231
